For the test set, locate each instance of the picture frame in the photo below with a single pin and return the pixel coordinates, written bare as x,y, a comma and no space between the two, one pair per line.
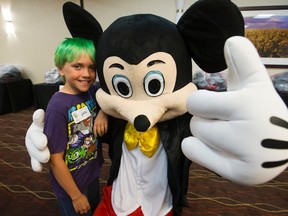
267,28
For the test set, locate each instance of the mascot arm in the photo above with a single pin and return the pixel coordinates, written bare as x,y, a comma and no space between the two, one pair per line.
36,141
241,134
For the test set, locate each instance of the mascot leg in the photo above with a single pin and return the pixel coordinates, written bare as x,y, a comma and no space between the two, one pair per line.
105,206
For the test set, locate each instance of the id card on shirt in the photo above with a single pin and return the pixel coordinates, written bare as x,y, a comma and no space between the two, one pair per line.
81,114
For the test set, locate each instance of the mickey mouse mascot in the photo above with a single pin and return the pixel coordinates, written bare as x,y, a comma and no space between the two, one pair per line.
144,68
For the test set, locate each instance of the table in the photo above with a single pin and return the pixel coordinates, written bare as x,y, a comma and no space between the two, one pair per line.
16,95
43,92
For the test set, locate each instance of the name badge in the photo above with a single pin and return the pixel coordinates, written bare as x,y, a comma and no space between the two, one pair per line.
81,114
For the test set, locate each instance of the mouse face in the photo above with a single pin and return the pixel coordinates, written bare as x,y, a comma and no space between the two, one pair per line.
143,94
145,80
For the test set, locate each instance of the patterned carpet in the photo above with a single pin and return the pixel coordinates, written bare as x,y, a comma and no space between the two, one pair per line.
23,192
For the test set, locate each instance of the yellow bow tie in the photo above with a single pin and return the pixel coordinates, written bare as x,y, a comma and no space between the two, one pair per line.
148,141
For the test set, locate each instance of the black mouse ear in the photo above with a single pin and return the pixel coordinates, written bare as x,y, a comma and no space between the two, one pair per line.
205,27
81,23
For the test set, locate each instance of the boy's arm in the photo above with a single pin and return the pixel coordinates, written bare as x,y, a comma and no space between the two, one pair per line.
65,179
101,124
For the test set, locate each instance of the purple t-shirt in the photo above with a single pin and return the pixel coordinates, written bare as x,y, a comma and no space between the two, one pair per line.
73,135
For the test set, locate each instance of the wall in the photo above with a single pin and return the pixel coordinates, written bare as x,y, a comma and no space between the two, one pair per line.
40,27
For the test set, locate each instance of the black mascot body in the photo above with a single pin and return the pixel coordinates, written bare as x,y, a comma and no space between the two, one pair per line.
144,67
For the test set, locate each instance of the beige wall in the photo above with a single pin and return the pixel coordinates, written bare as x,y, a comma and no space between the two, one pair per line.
40,27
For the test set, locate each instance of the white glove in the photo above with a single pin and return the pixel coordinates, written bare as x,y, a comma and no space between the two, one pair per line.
36,141
241,134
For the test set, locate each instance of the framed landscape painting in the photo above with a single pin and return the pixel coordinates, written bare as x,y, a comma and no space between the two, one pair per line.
267,28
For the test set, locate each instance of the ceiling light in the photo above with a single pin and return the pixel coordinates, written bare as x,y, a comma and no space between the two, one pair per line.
6,14
9,28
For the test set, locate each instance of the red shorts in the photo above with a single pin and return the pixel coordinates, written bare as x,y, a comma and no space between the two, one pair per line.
105,206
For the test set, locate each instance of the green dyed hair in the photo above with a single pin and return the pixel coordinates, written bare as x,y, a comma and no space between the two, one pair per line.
71,49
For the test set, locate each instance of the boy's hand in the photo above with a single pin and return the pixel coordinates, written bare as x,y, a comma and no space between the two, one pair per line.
101,124
81,204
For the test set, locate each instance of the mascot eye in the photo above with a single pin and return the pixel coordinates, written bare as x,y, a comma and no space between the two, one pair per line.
154,83
122,86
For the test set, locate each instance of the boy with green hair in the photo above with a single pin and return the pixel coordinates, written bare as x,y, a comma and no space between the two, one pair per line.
76,154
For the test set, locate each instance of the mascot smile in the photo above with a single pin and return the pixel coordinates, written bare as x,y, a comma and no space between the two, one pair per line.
145,72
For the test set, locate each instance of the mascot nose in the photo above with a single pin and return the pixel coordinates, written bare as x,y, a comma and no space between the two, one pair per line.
141,123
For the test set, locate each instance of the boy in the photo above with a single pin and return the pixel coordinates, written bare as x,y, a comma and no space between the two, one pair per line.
76,155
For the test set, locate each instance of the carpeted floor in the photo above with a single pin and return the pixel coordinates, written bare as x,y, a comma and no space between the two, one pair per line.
24,192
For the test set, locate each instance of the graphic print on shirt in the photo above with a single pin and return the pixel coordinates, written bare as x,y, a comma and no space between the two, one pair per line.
82,145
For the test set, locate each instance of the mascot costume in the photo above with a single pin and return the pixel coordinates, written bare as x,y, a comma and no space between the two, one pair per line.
145,72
